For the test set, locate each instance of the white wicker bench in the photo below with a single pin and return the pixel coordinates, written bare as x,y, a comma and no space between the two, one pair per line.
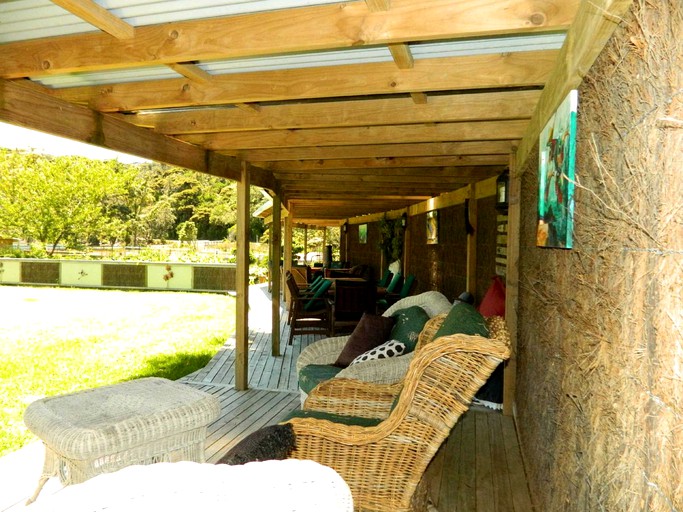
105,429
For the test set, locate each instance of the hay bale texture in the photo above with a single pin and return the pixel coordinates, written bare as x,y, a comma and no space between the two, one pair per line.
600,355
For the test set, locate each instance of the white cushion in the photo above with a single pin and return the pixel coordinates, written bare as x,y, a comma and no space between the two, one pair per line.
391,348
274,485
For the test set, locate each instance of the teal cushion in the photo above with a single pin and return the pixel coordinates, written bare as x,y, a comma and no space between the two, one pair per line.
395,281
316,300
313,374
316,282
336,418
409,324
463,319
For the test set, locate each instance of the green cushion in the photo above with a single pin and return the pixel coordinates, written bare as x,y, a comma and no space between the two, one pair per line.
336,418
316,282
313,374
409,324
395,281
463,319
316,301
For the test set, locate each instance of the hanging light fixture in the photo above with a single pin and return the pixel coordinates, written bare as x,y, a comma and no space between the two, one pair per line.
503,191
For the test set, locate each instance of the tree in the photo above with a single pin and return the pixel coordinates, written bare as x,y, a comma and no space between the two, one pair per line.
53,200
187,231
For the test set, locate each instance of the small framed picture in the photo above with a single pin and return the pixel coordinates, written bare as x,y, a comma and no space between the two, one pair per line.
433,227
362,233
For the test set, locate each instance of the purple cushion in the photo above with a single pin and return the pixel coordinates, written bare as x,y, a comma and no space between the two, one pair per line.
371,331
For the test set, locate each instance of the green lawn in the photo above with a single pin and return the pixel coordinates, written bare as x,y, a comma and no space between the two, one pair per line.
58,340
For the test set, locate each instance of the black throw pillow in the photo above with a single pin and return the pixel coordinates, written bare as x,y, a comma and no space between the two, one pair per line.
274,442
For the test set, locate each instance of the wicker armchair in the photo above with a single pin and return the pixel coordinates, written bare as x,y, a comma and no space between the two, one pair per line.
383,464
383,371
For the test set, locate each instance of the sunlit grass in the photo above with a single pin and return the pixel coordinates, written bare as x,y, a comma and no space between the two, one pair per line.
55,341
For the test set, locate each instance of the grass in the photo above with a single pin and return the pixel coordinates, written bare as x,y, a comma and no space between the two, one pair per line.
59,340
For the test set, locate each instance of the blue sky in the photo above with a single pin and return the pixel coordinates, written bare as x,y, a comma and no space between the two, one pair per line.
14,137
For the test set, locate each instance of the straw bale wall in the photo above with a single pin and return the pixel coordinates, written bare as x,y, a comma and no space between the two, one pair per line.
367,253
441,266
599,400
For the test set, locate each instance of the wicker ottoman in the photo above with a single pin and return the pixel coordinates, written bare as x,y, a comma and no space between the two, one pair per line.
105,429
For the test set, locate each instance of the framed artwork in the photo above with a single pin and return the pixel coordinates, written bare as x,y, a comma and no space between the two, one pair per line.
362,233
433,227
557,153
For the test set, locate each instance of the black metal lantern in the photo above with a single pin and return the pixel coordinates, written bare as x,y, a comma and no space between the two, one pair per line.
503,191
404,219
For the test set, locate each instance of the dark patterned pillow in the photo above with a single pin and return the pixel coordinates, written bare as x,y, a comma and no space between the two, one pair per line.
274,442
371,331
391,348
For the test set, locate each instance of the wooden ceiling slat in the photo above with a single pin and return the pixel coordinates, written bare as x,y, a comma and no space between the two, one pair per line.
284,31
522,69
484,130
397,110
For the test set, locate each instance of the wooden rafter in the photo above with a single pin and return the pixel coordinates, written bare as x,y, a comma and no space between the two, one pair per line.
98,16
191,71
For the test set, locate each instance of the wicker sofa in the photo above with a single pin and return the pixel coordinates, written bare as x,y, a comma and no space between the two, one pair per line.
383,371
381,437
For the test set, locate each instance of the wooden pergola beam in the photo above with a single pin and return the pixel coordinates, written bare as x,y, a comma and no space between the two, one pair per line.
388,166
522,69
452,149
485,130
515,104
26,105
317,28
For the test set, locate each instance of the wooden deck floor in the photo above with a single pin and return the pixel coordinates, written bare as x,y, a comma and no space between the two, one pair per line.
478,469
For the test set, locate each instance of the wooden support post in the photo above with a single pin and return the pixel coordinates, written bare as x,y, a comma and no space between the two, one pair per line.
288,252
471,283
512,285
406,246
276,256
242,276
306,245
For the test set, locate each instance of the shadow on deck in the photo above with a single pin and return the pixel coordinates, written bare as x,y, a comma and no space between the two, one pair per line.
479,468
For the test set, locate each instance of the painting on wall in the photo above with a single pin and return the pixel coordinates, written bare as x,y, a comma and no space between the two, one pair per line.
362,233
557,150
433,227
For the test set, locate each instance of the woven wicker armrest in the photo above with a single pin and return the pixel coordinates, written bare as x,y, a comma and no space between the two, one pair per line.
350,397
324,351
379,371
